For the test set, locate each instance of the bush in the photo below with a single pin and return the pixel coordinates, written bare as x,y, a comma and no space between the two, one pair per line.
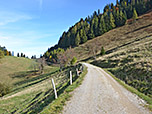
102,51
4,89
73,61
1,54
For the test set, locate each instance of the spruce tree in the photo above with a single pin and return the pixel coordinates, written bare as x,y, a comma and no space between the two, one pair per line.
107,21
86,27
21,54
84,38
62,40
68,39
18,55
73,35
135,15
101,27
77,39
117,20
91,32
100,31
103,24
122,18
95,26
112,21
10,53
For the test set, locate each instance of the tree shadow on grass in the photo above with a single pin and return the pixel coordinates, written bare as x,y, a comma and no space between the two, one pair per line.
35,78
32,81
23,74
38,105
106,64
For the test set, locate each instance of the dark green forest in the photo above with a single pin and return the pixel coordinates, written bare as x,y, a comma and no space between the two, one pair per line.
98,23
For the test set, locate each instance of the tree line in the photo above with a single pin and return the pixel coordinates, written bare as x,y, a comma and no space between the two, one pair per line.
5,52
98,23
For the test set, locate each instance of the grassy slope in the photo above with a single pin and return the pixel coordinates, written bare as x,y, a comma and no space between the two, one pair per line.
31,95
10,65
119,36
18,73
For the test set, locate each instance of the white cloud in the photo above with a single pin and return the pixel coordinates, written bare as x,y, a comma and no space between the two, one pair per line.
11,17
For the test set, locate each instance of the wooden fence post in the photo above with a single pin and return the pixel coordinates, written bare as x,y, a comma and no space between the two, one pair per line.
81,68
70,77
77,71
54,89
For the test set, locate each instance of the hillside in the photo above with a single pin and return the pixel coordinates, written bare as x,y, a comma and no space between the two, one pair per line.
128,53
17,72
30,92
119,37
11,65
97,24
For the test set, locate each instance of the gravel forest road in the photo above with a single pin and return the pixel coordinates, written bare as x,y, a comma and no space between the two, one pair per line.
101,94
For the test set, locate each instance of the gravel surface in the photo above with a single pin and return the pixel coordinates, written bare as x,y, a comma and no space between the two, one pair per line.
101,94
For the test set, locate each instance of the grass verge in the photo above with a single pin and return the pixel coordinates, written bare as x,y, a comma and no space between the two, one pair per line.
57,105
133,90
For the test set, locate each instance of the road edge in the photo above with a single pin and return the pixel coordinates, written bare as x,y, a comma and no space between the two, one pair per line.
57,105
147,99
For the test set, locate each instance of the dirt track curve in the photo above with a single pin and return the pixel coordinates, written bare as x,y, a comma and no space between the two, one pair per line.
101,94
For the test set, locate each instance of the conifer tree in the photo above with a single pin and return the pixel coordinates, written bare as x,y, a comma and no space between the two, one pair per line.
112,21
107,21
95,26
67,44
77,39
18,55
98,11
122,18
117,20
135,15
21,54
102,26
91,32
84,38
100,31
10,53
86,27
73,35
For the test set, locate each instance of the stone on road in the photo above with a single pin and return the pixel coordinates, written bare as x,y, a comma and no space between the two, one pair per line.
101,94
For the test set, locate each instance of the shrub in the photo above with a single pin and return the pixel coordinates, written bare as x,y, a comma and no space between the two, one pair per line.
102,51
74,60
1,54
4,89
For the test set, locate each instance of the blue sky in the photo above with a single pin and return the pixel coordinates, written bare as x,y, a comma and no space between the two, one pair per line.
32,26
